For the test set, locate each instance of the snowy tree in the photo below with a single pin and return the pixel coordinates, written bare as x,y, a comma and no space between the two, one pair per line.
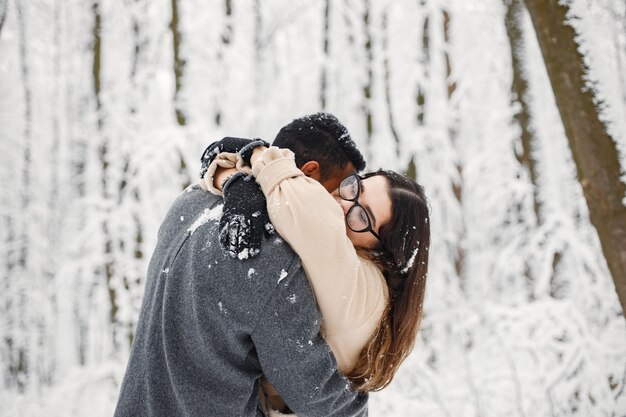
105,108
594,150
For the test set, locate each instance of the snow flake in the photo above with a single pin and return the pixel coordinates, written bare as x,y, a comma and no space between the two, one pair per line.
208,214
410,262
222,308
283,275
299,346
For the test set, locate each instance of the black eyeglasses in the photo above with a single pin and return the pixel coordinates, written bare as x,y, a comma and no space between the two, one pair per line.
357,218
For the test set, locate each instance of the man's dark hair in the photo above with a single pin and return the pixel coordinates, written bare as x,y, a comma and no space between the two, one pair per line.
320,137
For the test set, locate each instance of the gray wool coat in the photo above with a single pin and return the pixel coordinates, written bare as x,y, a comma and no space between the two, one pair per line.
210,326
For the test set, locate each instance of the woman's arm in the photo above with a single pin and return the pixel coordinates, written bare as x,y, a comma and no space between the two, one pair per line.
349,289
221,168
221,176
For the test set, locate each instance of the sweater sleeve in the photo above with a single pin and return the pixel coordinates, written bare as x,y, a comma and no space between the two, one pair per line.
222,160
349,289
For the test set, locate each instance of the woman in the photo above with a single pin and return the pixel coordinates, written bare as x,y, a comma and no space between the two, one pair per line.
369,277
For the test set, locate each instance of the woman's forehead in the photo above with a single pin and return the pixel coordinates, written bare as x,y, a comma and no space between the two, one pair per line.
376,183
376,197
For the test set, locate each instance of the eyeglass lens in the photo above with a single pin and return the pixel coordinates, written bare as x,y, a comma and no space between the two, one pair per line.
349,188
356,217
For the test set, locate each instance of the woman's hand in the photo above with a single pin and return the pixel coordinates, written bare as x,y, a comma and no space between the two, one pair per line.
221,176
227,144
247,151
256,153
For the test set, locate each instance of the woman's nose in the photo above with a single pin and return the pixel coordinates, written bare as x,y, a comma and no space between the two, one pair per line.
345,205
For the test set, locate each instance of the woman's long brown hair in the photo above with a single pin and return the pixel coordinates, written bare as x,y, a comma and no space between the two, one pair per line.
404,262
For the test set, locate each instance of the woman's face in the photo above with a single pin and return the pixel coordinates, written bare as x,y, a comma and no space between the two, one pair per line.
374,198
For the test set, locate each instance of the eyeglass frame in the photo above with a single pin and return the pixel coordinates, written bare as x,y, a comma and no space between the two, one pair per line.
355,200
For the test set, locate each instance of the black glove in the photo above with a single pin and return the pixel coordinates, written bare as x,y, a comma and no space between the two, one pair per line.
246,151
227,144
244,218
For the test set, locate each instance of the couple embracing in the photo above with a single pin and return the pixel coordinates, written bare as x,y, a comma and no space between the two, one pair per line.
285,282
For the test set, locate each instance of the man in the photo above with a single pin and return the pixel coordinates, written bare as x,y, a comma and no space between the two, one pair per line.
211,325
321,137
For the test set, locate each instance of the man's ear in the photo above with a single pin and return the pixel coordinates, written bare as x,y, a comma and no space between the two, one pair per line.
312,170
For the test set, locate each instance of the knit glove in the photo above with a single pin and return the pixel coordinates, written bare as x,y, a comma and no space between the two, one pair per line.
246,151
244,217
227,144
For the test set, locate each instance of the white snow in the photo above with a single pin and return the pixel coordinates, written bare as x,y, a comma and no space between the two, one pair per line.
205,216
521,315
243,254
409,263
220,305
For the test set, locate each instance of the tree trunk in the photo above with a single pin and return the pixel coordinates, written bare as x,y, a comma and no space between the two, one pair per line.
226,39
179,67
3,13
133,280
513,21
369,64
519,89
21,365
326,43
446,37
593,150
179,63
420,96
387,81
103,153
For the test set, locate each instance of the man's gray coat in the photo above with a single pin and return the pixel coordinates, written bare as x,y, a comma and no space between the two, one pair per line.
210,326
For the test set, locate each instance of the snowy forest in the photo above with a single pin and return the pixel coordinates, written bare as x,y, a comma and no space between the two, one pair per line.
511,113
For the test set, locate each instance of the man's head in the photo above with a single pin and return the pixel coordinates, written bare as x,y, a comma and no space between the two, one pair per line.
323,147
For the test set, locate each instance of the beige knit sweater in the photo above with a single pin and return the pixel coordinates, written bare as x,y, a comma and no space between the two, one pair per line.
350,290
